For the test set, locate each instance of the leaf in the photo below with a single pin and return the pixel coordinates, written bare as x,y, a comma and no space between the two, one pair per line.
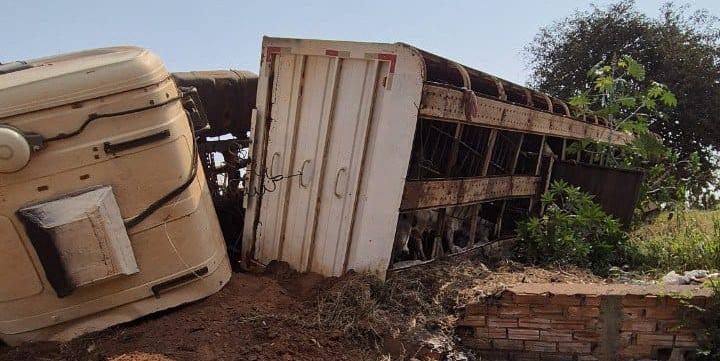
627,102
668,98
635,69
656,90
580,101
649,103
604,83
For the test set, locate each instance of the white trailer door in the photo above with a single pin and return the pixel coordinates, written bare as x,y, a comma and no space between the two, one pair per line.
321,108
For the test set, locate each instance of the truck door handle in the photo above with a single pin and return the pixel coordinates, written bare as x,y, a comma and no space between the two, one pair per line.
112,148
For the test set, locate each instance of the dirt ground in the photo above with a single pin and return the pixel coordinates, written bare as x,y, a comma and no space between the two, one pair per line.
282,315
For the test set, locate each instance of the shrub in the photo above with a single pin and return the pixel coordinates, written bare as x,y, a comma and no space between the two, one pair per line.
573,230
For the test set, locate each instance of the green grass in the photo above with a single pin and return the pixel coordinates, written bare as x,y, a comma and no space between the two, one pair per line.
688,240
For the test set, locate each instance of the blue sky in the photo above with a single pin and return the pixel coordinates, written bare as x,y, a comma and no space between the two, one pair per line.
201,35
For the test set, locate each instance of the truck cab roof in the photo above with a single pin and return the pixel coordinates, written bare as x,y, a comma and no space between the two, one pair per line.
42,83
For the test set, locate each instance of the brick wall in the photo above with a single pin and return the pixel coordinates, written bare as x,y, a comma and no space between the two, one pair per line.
582,322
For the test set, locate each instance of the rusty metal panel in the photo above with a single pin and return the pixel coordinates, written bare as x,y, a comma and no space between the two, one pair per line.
228,97
439,102
444,193
616,190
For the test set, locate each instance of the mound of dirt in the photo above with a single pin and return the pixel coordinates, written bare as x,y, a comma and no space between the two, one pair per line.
283,315
253,318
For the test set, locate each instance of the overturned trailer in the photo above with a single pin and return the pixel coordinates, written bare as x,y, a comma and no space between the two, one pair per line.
372,156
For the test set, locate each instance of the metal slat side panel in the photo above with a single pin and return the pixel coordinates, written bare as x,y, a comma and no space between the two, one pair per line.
385,163
363,129
341,162
445,193
291,149
277,158
316,102
447,104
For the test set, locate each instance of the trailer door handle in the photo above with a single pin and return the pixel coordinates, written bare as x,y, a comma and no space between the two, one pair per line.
273,171
341,186
112,148
306,173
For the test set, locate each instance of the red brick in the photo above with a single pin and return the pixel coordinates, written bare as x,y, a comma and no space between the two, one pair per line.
501,322
586,336
698,301
547,309
531,298
636,351
514,310
678,327
566,300
587,358
627,338
568,325
527,356
477,343
556,336
592,300
546,356
675,301
640,301
645,339
494,355
662,313
540,346
473,321
508,344
583,312
633,313
506,296
574,347
639,325
523,334
685,341
485,332
476,309
538,323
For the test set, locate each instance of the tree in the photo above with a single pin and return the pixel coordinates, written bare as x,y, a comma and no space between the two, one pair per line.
680,49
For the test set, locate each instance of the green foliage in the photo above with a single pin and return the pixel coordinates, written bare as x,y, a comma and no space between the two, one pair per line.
663,188
681,48
619,95
689,240
629,105
572,231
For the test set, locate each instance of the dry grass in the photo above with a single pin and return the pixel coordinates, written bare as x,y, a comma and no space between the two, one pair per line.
681,242
417,308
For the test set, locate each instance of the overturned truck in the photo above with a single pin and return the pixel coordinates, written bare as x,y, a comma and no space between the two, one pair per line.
372,156
105,215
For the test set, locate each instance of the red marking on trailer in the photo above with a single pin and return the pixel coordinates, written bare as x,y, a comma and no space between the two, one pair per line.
392,58
330,52
272,50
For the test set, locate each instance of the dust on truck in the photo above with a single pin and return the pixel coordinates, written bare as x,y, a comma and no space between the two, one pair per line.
105,214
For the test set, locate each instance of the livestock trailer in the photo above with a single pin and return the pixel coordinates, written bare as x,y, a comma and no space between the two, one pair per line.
105,215
352,142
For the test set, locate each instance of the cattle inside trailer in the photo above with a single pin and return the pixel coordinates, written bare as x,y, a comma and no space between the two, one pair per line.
372,156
